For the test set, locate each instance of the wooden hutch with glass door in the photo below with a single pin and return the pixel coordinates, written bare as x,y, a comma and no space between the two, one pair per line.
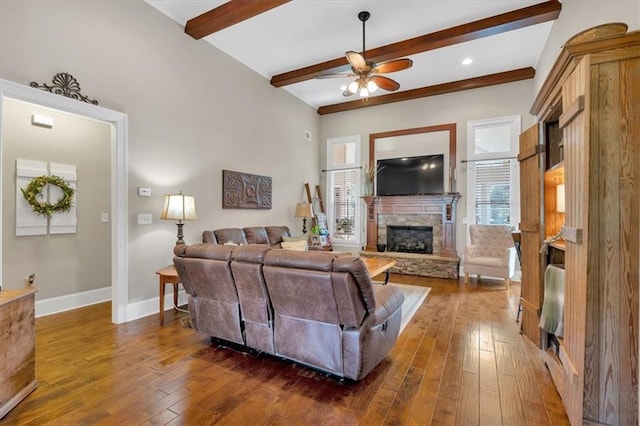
580,183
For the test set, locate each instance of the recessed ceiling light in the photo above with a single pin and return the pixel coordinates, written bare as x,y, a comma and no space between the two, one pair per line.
467,61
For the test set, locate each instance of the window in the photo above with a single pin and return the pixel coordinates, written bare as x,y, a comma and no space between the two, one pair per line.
344,203
343,190
492,192
493,171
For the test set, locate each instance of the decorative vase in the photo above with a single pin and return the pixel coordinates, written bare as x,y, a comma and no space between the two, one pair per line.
368,189
381,247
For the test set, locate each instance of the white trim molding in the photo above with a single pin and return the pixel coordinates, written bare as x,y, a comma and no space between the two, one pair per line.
119,230
68,302
147,307
144,308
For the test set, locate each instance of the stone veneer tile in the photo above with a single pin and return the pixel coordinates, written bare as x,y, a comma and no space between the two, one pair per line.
433,220
422,265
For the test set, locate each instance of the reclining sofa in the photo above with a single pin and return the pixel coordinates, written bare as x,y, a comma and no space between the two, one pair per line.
316,308
270,235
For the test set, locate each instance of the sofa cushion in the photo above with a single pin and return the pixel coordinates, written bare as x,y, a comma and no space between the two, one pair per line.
275,234
294,245
315,260
256,235
234,235
209,251
250,253
209,237
301,237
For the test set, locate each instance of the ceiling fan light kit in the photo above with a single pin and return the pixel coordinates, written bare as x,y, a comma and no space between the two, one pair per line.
367,73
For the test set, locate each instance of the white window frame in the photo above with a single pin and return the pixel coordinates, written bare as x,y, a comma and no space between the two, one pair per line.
514,122
331,168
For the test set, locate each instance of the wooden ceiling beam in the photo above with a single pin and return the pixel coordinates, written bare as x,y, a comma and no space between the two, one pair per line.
228,14
438,89
532,15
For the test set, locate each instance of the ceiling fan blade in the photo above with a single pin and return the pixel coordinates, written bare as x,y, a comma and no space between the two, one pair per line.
357,61
336,75
393,65
385,83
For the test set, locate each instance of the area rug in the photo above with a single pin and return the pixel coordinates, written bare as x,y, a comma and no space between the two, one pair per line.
413,297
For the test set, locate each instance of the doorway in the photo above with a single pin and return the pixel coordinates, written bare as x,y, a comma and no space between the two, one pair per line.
118,150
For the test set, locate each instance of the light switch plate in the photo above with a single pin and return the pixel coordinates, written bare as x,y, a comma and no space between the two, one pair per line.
144,219
144,191
104,217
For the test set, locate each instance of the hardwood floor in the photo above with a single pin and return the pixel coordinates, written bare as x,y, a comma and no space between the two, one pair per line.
461,360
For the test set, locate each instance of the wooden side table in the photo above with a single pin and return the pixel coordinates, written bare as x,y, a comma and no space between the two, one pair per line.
168,275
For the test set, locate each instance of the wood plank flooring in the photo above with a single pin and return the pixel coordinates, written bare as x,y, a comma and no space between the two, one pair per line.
461,360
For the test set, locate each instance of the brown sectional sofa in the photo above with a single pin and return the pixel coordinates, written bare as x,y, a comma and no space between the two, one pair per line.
316,308
271,235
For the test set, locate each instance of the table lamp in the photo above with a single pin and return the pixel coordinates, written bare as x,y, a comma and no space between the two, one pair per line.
304,211
179,207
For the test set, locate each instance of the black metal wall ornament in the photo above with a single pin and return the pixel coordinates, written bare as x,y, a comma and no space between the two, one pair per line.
66,85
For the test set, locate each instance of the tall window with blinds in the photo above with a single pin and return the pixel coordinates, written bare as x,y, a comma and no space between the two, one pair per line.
492,192
493,176
344,201
343,205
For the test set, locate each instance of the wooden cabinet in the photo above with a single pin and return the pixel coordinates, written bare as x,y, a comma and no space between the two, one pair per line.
17,347
593,93
530,158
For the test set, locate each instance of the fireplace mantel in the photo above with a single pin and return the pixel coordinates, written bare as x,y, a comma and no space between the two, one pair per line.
444,204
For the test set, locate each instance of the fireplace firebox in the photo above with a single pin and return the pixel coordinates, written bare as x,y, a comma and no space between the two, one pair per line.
410,239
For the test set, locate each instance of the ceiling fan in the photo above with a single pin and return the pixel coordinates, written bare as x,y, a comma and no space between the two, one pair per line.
367,72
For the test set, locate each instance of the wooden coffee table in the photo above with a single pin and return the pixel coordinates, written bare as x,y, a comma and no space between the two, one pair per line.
378,265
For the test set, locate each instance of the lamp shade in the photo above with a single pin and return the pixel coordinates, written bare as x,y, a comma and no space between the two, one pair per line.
179,207
560,205
303,210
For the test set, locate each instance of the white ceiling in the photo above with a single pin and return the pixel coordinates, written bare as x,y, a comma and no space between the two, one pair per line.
306,32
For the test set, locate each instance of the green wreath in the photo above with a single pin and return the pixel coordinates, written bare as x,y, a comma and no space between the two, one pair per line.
33,190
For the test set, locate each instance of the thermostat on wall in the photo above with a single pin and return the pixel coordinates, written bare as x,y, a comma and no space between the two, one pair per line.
143,191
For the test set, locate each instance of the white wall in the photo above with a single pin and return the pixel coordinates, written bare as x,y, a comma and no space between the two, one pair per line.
578,15
496,101
192,110
64,263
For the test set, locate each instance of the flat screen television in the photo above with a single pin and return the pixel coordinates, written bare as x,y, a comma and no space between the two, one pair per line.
410,175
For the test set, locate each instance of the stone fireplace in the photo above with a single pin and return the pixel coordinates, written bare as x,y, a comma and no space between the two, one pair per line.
410,239
419,232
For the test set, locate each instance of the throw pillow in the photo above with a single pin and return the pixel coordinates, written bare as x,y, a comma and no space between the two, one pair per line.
295,245
303,237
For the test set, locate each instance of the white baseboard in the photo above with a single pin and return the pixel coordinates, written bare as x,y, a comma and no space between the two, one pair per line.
67,302
135,310
147,307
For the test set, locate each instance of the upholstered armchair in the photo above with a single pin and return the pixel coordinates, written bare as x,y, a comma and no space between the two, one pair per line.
491,252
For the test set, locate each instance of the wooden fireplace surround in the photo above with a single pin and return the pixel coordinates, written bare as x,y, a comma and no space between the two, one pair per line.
420,204
444,204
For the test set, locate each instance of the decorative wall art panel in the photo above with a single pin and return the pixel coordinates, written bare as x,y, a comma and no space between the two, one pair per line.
245,191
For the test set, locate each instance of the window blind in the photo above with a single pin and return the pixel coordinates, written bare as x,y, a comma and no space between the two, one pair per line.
344,185
492,192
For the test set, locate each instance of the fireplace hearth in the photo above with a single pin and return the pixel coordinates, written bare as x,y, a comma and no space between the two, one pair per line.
410,239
